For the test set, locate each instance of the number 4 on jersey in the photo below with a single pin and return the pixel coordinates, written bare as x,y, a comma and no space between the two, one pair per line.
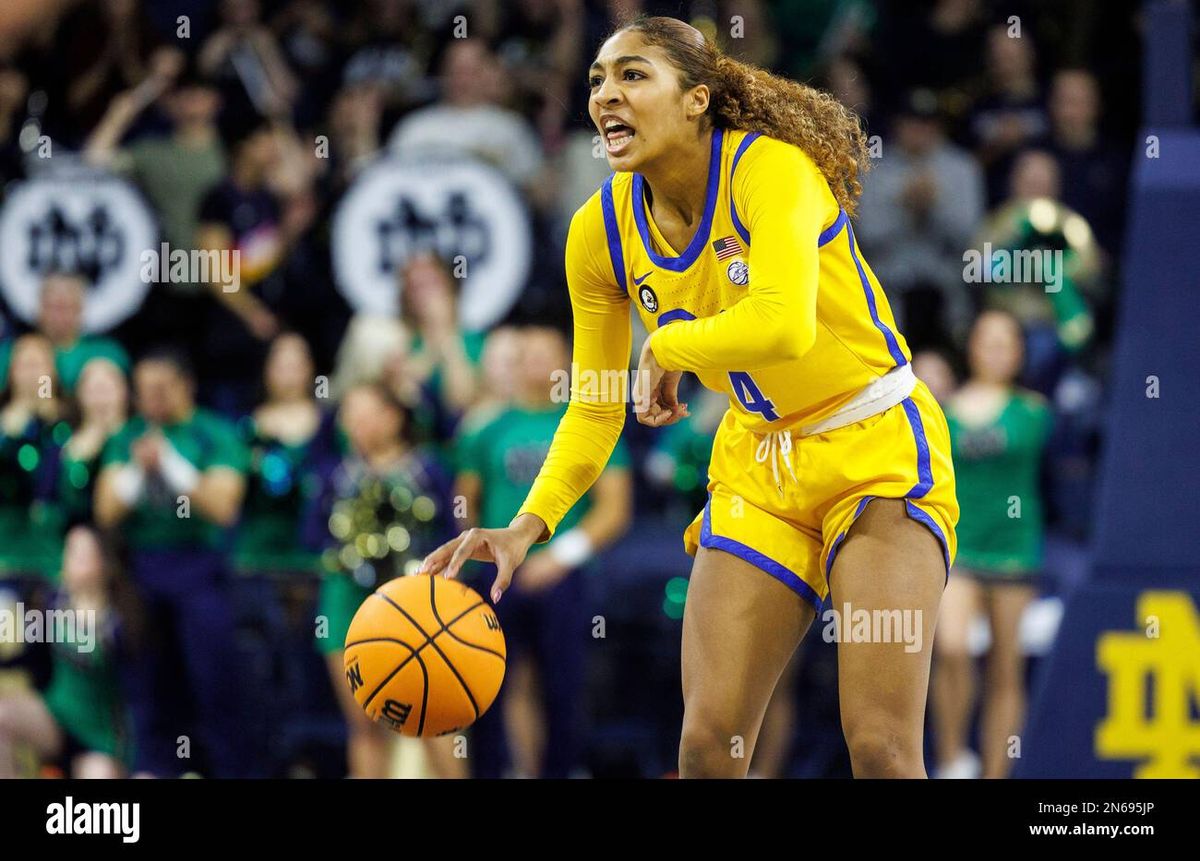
750,395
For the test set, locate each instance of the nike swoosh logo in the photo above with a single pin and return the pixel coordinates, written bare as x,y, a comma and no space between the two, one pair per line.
643,278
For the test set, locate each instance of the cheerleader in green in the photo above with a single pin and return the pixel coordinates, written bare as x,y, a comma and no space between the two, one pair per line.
102,394
79,720
998,433
384,506
31,431
287,435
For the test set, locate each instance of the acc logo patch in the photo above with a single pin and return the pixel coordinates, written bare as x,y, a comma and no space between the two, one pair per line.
648,298
739,273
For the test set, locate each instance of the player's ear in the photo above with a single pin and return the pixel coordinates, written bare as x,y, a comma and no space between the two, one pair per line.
696,101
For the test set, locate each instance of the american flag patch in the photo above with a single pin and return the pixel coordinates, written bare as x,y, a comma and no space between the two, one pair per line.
727,247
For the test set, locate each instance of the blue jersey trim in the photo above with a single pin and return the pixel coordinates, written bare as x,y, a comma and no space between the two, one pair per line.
892,345
737,156
674,314
830,233
613,234
683,261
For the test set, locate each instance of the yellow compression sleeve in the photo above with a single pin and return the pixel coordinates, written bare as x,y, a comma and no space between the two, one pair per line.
785,202
603,336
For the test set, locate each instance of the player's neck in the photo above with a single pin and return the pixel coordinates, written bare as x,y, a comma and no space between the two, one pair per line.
676,185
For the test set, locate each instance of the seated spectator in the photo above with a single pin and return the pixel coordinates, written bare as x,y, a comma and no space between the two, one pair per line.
1011,113
30,415
80,721
174,171
1092,169
246,60
390,47
102,400
938,49
468,119
173,480
442,354
60,320
920,206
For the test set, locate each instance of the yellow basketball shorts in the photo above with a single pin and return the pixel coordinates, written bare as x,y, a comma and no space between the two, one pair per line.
794,534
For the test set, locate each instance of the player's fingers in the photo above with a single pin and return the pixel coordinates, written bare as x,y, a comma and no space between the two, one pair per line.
436,560
504,574
466,549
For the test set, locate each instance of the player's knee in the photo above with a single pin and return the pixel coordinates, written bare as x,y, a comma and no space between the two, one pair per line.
877,751
707,749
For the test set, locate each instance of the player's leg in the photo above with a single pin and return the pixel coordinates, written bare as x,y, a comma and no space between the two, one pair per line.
1004,689
953,687
25,720
740,628
887,562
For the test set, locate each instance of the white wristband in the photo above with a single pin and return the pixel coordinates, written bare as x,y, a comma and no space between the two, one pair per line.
128,484
176,470
572,548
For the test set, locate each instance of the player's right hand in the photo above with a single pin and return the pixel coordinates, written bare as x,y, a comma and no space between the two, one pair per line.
505,547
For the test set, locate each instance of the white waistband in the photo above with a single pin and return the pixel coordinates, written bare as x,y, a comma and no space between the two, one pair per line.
876,397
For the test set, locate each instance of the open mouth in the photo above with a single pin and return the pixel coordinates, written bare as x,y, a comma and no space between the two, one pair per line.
617,136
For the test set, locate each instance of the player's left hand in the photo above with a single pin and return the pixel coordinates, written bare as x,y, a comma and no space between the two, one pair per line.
656,392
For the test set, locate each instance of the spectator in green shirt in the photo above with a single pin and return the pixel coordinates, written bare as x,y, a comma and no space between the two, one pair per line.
545,615
60,319
173,480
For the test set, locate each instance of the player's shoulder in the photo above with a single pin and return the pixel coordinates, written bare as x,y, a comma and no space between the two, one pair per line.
761,152
589,216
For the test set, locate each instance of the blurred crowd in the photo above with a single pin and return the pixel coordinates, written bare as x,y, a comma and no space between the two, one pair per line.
221,468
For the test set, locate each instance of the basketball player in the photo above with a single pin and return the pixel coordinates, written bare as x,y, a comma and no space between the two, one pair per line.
727,224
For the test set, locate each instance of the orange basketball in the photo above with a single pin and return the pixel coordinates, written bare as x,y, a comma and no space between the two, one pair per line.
425,655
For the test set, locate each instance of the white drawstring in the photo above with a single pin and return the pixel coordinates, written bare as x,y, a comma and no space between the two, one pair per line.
780,441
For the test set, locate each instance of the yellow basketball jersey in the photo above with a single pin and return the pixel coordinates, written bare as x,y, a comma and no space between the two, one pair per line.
856,340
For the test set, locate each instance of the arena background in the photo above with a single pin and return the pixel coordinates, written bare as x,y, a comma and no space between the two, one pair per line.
347,138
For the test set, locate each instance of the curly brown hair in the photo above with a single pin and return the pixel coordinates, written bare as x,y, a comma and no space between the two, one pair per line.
743,96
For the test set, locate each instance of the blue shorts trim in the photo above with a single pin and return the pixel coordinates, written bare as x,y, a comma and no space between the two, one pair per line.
746,553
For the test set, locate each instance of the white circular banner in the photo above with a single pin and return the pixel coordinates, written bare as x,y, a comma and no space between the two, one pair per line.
90,223
456,209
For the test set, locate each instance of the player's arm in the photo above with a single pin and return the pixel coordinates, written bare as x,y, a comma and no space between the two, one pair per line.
785,203
588,431
603,338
